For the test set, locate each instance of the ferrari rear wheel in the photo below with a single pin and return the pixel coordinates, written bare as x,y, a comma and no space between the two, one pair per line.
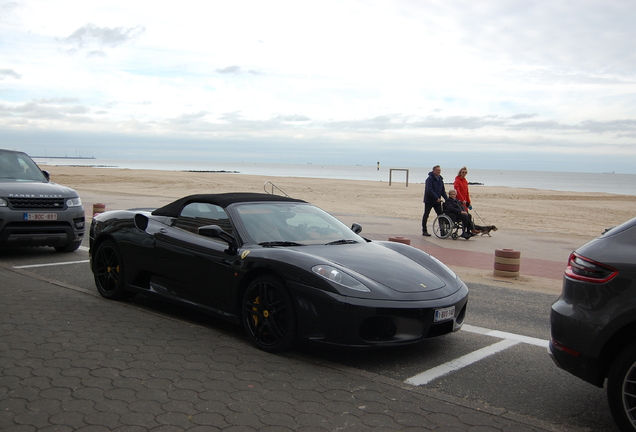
269,316
108,269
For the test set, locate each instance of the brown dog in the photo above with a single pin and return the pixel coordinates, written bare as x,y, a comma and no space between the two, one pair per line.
483,230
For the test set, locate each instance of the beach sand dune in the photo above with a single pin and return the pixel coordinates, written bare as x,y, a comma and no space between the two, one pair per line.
526,210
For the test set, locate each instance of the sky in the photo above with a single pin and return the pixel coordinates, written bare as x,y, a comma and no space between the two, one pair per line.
493,84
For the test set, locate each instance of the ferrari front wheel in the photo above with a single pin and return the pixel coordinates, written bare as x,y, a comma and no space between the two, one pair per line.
269,316
108,270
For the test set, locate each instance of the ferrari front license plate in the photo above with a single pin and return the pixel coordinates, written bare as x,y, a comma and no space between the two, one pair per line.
40,216
444,314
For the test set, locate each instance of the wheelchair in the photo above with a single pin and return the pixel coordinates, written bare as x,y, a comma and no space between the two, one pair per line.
445,226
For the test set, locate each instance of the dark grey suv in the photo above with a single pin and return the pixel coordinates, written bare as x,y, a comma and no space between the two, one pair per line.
593,323
33,210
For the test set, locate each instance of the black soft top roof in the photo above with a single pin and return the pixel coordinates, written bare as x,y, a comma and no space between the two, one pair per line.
223,200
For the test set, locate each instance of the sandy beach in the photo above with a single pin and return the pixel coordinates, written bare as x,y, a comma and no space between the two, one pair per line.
546,226
525,210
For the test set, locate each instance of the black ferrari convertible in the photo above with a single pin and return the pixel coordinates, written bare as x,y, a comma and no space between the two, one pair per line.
282,267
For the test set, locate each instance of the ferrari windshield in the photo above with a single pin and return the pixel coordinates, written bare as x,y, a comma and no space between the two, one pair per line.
292,224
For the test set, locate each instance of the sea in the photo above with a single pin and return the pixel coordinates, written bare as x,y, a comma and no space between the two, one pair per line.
623,184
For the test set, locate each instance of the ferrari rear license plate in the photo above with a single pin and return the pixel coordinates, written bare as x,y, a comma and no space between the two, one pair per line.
40,216
444,314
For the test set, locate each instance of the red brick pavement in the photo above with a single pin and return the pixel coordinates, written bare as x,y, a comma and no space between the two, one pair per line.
483,260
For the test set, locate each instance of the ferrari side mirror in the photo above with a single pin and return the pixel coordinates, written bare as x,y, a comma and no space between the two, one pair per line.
215,231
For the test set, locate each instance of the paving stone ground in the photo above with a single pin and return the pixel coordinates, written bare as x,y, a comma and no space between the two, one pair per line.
71,361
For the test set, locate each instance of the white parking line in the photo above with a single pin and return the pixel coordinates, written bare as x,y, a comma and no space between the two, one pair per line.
51,264
82,248
459,363
504,335
509,340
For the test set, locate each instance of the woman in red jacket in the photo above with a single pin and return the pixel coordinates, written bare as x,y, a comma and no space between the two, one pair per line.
461,186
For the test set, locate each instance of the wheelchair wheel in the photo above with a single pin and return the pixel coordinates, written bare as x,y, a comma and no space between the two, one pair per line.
443,226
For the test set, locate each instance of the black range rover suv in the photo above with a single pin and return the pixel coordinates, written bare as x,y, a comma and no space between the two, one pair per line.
33,210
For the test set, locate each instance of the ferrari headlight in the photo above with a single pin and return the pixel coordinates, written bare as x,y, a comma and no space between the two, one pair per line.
74,202
442,265
338,276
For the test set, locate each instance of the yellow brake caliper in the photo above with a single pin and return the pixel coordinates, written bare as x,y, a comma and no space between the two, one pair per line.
109,269
255,309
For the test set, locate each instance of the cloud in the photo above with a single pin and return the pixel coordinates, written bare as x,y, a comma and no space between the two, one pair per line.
229,70
558,34
7,8
608,126
546,125
234,116
91,35
9,73
292,118
96,53
235,69
188,118
522,116
506,75
58,100
457,122
34,111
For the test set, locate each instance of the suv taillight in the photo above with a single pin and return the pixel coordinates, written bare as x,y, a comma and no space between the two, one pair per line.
587,270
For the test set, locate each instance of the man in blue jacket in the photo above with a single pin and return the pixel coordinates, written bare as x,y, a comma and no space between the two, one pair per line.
433,194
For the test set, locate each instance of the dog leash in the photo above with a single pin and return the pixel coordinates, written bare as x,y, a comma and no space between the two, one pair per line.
474,211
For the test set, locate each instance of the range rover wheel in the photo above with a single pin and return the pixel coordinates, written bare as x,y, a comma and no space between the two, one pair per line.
71,247
621,389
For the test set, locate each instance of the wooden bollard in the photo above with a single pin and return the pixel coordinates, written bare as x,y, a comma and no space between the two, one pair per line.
98,208
507,262
400,239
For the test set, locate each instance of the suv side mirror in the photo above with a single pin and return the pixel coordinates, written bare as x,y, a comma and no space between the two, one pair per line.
356,228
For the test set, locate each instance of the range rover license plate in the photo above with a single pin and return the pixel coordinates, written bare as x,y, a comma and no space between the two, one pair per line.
40,216
444,314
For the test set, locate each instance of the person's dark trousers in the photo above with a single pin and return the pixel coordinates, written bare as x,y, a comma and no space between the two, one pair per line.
427,211
466,223
472,222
